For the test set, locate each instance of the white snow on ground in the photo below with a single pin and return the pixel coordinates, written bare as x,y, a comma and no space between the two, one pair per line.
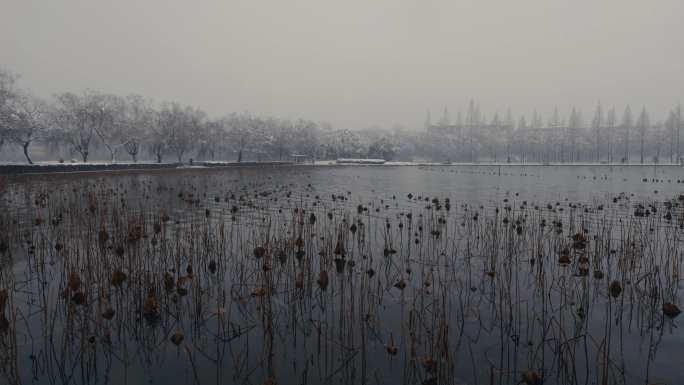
360,161
97,163
329,163
490,164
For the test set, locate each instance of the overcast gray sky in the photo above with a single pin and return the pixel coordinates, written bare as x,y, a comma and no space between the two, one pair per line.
354,63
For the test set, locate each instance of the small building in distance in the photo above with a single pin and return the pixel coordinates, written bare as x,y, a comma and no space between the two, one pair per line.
301,159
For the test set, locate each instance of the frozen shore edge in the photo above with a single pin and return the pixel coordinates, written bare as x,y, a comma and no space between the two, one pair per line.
49,168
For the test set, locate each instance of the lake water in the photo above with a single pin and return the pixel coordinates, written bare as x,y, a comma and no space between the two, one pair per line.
344,275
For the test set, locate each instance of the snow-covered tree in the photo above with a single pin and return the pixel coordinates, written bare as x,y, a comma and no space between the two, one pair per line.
643,124
383,148
26,122
177,125
246,133
74,120
135,119
626,127
307,138
344,144
7,95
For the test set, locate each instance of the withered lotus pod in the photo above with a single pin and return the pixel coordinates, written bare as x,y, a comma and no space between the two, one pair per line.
118,278
339,264
151,308
299,280
177,338
339,248
671,310
3,300
391,347
4,323
259,251
169,283
615,289
103,236
530,377
74,281
323,279
259,292
79,298
108,314
3,246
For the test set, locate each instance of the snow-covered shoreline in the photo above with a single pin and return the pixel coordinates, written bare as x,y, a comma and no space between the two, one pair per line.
494,164
55,167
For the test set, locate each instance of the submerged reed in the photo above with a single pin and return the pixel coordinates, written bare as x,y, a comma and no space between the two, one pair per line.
208,280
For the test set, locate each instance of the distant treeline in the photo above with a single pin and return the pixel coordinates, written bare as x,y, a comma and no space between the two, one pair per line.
603,138
96,125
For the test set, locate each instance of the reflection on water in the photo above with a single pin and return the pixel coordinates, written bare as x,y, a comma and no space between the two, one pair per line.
343,275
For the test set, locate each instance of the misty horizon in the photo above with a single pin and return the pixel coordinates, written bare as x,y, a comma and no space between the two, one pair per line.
355,65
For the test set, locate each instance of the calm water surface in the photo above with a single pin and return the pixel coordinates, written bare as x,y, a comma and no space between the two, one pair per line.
344,275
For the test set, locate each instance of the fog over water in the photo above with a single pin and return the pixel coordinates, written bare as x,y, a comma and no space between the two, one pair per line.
355,64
